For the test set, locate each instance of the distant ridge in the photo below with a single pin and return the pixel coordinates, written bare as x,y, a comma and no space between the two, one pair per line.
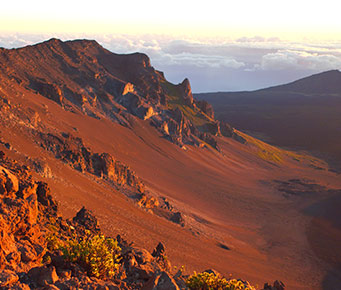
304,114
328,82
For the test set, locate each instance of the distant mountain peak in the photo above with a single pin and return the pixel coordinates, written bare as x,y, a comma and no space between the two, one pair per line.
328,82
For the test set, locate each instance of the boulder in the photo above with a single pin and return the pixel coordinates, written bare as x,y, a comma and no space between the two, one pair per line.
206,108
43,275
8,182
186,92
8,278
277,285
86,219
178,219
144,271
226,130
162,281
142,256
45,197
159,250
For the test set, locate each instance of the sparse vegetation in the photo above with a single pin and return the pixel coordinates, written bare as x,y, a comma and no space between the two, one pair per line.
211,281
98,254
176,101
276,155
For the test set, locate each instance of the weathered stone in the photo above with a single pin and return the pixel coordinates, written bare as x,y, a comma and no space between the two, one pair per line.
177,218
45,197
8,182
159,250
277,285
143,256
20,286
187,92
8,278
226,130
86,218
144,271
206,108
65,274
28,253
48,90
162,281
72,151
147,201
43,275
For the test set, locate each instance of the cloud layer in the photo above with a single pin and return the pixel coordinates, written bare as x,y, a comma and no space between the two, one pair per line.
217,64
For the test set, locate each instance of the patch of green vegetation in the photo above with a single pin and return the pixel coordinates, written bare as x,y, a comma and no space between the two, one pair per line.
265,151
210,281
97,254
276,155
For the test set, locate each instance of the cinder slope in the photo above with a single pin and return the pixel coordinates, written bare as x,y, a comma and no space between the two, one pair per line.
242,203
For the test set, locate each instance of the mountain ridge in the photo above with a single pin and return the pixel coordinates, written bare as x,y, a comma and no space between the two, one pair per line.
101,82
325,82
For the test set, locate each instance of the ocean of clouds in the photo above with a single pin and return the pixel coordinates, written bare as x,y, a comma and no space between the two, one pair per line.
217,64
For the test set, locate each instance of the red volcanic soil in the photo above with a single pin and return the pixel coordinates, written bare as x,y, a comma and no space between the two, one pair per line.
250,210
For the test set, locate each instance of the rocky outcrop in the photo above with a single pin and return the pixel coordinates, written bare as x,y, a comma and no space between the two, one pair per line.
161,281
228,131
85,220
24,206
147,202
205,107
30,227
72,151
48,90
186,91
277,285
128,88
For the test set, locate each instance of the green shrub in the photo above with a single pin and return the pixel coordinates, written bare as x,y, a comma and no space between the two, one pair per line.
210,281
97,254
53,243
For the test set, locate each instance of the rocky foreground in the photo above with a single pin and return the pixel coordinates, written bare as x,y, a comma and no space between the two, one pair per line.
41,250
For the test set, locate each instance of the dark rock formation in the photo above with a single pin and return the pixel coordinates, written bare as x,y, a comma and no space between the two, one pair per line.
86,220
45,197
187,92
178,219
161,281
48,90
72,151
277,285
226,130
206,108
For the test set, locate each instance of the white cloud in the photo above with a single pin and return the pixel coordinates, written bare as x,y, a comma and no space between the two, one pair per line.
293,59
202,60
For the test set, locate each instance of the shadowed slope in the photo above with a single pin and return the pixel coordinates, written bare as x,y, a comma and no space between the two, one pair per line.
302,115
